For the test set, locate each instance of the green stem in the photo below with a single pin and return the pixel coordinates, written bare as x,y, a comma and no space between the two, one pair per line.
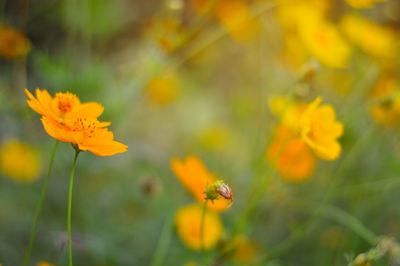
39,207
203,216
71,182
163,243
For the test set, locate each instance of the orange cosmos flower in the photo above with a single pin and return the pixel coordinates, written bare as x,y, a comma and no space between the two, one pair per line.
13,43
63,107
194,175
87,134
292,157
320,130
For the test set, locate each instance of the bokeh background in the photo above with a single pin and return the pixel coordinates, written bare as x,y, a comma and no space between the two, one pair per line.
205,78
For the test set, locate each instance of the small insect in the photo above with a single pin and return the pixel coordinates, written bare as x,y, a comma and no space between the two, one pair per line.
225,191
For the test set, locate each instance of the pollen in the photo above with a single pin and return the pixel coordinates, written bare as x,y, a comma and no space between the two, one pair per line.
66,102
86,126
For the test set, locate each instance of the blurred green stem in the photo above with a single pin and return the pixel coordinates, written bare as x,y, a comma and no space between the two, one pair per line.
163,243
328,211
254,200
71,183
39,207
203,216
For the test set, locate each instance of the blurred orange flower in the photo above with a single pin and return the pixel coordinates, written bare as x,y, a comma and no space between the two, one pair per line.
162,90
320,130
235,16
292,157
13,43
188,223
63,108
87,134
194,175
42,263
244,249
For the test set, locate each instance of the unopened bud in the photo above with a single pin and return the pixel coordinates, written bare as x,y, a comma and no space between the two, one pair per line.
217,190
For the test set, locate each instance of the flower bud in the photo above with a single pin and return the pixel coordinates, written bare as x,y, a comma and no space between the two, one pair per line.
217,190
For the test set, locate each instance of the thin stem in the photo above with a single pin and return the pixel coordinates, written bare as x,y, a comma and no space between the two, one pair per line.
71,182
39,207
203,216
163,243
260,191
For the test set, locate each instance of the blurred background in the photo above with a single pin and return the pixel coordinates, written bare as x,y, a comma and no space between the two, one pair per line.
205,78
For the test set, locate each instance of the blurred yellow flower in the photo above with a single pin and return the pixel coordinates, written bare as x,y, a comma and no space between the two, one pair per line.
188,224
13,43
44,264
320,130
168,33
244,250
235,16
292,157
291,12
294,51
162,90
19,161
363,3
193,174
287,110
373,39
324,41
215,138
63,108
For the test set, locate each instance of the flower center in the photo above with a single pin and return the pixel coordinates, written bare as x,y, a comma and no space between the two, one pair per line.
66,102
85,126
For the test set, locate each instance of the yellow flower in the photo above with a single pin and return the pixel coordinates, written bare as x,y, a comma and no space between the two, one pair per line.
288,111
63,108
363,3
188,224
324,41
86,134
19,161
244,250
373,39
162,90
194,175
292,157
320,130
13,43
44,264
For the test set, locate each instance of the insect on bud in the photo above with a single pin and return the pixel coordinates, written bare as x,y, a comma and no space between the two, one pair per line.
218,190
225,191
